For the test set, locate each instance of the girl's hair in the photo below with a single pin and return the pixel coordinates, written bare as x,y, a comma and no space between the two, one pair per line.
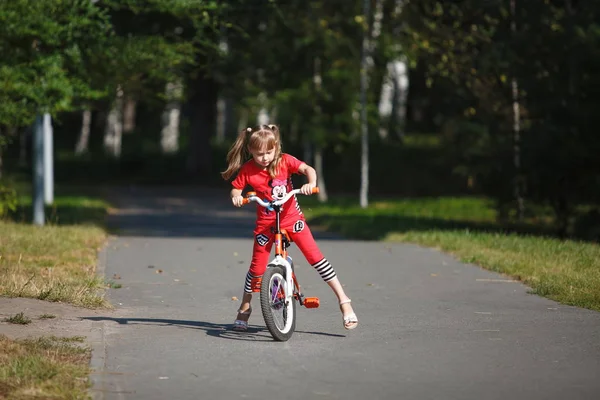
261,137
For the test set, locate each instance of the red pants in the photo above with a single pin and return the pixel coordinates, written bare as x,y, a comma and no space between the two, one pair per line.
299,233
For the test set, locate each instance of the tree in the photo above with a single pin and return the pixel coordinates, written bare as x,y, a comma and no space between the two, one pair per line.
47,47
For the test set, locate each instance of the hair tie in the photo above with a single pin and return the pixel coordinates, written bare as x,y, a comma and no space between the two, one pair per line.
271,127
248,129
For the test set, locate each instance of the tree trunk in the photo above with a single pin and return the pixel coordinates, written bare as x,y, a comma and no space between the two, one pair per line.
319,168
82,145
364,131
113,132
516,109
318,80
23,137
243,121
294,131
400,82
0,158
169,141
263,116
221,119
394,92
129,115
203,111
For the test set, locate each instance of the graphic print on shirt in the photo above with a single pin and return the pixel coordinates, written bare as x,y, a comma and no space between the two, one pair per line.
262,239
298,226
279,188
278,191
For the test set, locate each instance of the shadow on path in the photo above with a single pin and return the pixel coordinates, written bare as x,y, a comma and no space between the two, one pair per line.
182,212
224,331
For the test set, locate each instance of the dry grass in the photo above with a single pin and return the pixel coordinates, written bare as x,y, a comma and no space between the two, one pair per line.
45,368
53,263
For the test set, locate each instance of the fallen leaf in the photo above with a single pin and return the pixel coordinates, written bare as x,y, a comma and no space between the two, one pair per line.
159,271
433,274
116,276
234,298
176,280
235,254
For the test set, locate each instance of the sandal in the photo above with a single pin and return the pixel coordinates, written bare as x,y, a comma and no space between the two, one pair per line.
350,320
241,325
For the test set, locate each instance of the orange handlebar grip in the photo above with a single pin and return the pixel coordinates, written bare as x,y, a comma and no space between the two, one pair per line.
250,194
245,201
315,190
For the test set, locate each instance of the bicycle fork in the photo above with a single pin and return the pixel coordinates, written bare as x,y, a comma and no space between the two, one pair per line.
281,246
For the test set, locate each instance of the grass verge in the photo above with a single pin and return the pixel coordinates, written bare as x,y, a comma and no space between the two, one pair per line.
55,262
564,270
44,368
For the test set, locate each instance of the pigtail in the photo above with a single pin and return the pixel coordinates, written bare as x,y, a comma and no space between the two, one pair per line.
237,154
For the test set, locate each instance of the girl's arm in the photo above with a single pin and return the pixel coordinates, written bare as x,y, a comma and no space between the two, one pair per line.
236,197
311,174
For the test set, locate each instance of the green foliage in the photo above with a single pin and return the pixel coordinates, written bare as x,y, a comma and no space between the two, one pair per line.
473,53
8,200
46,48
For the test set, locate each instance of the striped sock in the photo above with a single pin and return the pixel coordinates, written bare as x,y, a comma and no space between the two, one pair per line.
325,270
248,283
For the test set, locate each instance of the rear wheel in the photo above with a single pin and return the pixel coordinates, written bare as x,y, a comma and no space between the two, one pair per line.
279,312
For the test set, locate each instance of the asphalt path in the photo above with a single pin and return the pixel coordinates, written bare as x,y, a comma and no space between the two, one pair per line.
430,327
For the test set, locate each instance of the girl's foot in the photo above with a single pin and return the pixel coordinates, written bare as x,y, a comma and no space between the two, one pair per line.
349,317
241,322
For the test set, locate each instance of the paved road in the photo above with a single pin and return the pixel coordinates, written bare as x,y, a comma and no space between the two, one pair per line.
430,327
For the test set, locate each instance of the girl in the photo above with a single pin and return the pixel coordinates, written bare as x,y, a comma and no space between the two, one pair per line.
269,172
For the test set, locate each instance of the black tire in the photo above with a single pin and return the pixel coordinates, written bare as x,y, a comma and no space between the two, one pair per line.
281,328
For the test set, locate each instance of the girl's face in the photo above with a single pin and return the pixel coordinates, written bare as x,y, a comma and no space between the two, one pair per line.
263,157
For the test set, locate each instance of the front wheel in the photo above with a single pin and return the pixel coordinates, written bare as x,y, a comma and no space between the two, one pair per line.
279,312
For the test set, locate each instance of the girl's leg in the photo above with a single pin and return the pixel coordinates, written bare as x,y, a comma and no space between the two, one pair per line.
302,236
263,242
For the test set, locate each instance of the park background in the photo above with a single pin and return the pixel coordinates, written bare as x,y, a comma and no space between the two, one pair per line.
468,126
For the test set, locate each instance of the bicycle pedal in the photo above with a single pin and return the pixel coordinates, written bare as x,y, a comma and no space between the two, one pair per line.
311,302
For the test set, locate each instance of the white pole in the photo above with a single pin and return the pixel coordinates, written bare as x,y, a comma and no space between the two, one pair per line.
48,160
38,172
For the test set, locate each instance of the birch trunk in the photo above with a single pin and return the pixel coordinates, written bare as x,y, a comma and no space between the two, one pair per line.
0,158
82,145
400,83
394,92
169,140
263,116
113,132
221,119
129,115
317,79
516,109
364,127
243,120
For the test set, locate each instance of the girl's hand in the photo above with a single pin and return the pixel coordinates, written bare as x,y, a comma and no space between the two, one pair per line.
307,189
237,201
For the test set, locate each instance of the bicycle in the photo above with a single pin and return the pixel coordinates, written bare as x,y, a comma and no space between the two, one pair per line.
279,287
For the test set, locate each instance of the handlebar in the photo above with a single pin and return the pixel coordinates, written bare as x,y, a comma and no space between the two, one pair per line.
251,196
